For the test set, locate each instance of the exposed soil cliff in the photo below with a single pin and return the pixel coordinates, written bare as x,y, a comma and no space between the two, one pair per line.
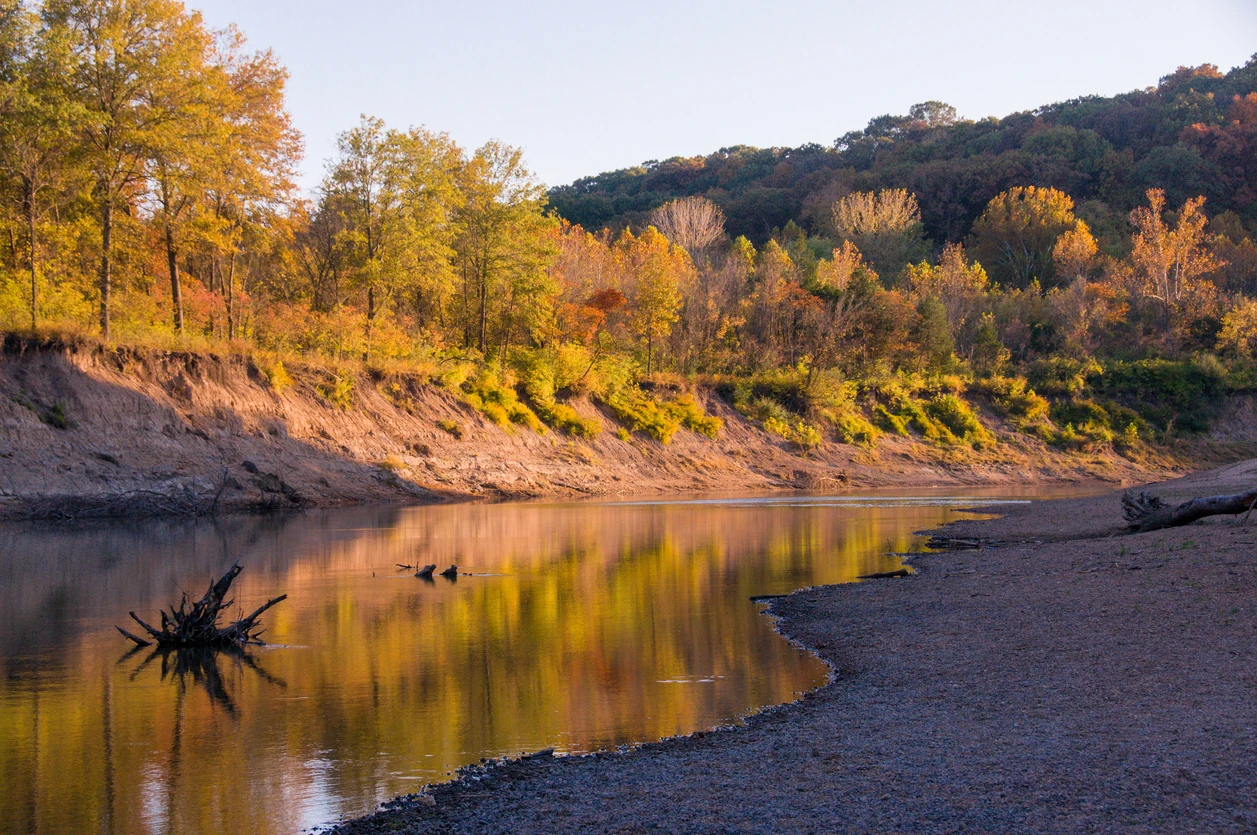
90,430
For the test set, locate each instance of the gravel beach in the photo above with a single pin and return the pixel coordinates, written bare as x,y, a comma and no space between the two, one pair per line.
1062,677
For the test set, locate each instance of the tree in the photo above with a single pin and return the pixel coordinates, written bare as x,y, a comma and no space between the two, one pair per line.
932,333
694,224
655,269
226,162
1015,236
961,286
932,114
37,123
885,226
501,246
131,62
1074,253
1169,260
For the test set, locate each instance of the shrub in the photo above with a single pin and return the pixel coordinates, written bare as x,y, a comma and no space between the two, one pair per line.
1167,394
1060,376
539,385
497,401
1078,412
854,428
889,421
955,414
802,435
339,392
686,409
56,417
623,434
451,427
1011,398
278,378
642,413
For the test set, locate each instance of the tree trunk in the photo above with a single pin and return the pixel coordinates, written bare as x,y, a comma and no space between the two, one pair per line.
484,315
1146,512
176,294
30,231
106,234
231,297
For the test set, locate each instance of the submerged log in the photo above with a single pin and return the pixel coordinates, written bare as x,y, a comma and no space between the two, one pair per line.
198,626
451,572
1147,512
425,573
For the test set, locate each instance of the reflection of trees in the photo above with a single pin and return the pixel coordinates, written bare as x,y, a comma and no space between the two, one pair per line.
199,666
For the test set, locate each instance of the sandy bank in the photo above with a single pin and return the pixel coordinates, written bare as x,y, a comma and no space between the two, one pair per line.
1069,679
90,430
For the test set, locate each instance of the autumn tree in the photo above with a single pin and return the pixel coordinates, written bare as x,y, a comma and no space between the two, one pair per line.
1074,253
130,64
959,285
37,124
1015,237
655,270
223,170
694,224
503,249
885,226
1169,260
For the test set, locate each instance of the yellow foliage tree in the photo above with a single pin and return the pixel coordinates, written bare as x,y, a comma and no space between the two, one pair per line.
1169,260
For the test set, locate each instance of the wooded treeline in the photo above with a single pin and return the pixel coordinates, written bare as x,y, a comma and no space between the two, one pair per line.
1193,134
147,195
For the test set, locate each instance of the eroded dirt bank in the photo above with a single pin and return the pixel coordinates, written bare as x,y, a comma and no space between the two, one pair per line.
1068,679
89,430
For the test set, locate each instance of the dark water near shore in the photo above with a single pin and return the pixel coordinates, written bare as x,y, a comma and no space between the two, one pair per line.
585,626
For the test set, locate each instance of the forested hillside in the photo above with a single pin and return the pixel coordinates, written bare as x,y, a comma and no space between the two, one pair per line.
1195,133
918,278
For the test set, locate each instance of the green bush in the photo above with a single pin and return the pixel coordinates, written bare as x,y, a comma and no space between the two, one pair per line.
451,427
889,421
1078,412
339,392
854,428
955,414
1182,395
488,394
1061,376
1011,397
686,409
278,377
642,413
802,435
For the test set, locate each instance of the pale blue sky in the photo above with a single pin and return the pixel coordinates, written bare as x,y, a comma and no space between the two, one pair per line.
586,88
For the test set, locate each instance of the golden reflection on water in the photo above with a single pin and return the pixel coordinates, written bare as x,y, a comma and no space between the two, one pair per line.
583,627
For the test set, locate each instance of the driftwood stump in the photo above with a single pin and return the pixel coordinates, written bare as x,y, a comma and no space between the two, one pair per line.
1146,512
198,626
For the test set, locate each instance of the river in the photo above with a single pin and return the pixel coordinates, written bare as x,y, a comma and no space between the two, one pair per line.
578,627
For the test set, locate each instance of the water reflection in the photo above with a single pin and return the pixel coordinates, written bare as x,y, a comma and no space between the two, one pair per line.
577,627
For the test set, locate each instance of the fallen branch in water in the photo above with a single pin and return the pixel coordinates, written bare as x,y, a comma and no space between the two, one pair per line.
198,626
886,575
1147,512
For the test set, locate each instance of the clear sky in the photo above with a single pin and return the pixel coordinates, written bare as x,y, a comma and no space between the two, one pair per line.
585,87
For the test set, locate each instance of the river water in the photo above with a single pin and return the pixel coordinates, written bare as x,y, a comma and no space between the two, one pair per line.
581,627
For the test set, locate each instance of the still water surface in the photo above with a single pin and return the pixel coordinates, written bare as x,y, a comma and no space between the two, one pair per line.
584,627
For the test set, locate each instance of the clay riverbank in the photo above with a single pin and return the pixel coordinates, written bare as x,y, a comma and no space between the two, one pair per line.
1062,677
93,430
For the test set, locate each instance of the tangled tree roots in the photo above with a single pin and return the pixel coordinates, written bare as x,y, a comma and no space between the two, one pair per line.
198,626
1146,512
